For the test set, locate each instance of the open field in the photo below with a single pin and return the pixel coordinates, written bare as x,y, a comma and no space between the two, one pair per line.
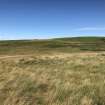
66,71
51,46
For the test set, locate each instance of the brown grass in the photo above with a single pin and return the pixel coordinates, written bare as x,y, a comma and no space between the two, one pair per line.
57,79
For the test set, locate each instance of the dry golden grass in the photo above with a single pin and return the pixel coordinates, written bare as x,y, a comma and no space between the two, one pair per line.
56,79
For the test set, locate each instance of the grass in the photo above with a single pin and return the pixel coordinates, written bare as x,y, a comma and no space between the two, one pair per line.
66,45
55,75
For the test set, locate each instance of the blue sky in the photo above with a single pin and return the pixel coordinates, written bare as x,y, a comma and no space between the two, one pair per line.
27,19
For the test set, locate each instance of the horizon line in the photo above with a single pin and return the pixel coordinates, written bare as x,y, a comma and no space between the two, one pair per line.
80,36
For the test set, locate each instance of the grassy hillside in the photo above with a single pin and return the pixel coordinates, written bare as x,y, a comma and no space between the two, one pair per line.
62,71
66,45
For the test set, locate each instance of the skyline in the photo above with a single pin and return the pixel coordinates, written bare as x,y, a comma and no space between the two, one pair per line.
41,19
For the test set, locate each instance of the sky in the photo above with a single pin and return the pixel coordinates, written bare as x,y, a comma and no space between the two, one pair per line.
38,19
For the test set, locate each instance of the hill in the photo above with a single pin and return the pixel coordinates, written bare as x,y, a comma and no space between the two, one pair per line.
67,45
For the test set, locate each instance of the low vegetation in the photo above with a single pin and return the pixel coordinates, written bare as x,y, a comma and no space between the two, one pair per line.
52,72
65,45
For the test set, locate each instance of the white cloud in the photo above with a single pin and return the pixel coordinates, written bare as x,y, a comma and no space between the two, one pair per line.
91,29
5,36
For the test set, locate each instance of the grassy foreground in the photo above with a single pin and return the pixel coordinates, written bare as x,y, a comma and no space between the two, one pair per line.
69,71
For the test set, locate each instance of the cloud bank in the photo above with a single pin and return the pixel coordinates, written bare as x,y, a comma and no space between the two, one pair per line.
91,29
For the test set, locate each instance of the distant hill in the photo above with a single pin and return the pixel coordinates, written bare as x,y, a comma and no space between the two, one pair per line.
69,45
83,39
